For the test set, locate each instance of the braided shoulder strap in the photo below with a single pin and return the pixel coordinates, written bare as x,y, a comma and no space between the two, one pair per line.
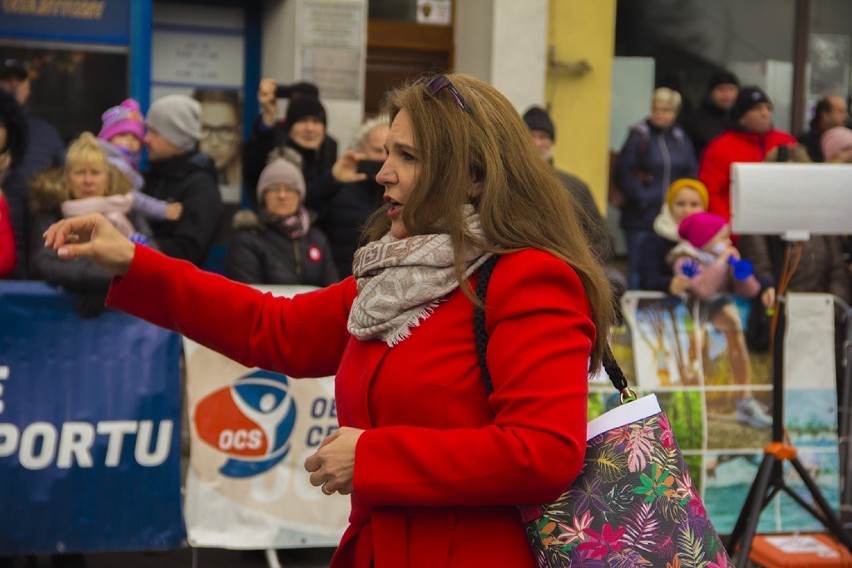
613,370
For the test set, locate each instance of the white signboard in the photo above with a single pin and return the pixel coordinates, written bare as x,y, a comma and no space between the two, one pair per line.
332,45
197,58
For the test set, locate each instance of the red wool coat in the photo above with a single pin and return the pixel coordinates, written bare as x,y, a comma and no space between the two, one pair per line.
729,147
440,467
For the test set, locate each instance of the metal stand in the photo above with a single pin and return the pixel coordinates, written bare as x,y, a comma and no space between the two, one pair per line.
845,418
272,558
770,476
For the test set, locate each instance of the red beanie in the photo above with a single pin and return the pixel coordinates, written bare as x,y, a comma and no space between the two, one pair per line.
700,228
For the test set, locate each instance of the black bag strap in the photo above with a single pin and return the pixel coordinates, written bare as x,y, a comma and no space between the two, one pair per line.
613,370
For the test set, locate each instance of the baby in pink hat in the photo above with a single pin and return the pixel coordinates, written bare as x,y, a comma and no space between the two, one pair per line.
121,140
705,255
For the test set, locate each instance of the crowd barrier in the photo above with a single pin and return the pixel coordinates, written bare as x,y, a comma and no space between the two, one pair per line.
90,447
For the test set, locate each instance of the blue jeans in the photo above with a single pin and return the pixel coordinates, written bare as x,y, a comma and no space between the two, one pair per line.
634,239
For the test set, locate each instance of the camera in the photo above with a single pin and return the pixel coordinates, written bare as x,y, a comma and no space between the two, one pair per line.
296,89
369,167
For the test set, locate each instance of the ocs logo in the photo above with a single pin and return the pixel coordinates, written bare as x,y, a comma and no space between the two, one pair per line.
250,421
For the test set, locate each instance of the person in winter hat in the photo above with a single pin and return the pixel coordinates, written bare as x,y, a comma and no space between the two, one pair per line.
120,137
685,196
543,133
538,118
177,119
179,173
711,117
124,126
748,98
277,245
750,136
837,144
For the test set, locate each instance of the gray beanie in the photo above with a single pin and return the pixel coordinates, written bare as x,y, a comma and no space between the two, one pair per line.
280,171
177,118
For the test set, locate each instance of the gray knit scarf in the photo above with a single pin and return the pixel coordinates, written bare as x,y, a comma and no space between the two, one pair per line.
401,281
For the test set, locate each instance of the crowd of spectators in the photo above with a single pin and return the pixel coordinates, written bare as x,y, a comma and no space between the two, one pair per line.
732,124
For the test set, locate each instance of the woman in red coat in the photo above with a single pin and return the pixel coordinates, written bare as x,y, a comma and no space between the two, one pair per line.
435,467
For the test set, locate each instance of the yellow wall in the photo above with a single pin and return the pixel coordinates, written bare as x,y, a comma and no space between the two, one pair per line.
580,104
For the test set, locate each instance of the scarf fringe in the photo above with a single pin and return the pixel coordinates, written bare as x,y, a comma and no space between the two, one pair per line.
404,332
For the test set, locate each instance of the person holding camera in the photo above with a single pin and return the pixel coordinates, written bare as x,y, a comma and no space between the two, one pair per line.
304,130
346,211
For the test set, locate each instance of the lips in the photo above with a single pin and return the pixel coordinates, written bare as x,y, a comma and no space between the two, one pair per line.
395,207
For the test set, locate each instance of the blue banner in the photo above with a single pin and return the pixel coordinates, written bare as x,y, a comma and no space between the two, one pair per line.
89,428
90,21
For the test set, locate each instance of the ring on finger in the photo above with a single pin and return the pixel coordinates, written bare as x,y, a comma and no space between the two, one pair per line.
326,491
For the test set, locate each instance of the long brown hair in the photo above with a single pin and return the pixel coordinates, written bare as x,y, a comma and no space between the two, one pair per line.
484,155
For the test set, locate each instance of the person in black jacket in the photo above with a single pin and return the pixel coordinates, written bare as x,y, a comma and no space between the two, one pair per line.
711,118
278,245
178,172
345,211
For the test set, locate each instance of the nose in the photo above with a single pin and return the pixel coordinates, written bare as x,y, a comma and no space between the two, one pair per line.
384,176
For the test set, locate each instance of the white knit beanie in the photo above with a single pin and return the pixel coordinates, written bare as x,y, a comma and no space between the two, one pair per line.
177,118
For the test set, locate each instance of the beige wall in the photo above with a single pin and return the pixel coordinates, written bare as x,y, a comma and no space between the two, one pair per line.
580,103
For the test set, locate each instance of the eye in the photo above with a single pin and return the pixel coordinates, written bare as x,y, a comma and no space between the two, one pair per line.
408,157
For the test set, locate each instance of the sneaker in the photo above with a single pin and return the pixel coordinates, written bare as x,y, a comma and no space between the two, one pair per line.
754,413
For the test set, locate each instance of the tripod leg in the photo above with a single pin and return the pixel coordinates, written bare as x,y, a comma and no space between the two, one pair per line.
829,518
746,525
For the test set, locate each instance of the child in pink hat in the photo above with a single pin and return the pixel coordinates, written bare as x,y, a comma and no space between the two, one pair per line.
121,140
705,255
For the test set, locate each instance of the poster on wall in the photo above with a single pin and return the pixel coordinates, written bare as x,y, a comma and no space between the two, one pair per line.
200,51
332,39
829,58
719,404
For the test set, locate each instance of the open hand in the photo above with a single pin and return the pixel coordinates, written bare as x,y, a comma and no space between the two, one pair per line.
268,101
94,237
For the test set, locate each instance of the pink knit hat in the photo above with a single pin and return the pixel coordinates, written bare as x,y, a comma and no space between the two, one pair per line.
123,118
700,228
834,140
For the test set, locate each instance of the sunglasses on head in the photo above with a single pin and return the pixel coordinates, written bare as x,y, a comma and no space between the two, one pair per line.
437,83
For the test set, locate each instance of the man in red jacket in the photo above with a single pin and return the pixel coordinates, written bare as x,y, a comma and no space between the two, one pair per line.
749,137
